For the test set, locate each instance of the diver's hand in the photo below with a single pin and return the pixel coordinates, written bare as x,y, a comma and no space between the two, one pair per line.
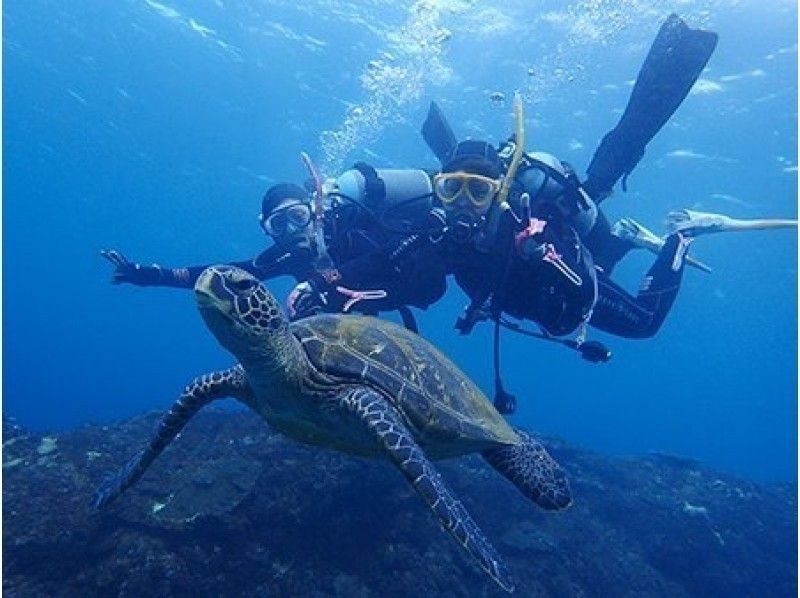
305,300
131,272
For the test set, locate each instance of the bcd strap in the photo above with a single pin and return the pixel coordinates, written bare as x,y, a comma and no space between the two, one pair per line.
570,181
485,302
374,187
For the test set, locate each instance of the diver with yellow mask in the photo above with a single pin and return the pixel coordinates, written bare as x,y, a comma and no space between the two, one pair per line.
511,257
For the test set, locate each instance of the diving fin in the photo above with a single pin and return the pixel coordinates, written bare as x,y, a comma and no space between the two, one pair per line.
676,59
437,133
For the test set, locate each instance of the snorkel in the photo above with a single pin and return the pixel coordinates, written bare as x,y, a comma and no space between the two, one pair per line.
322,260
519,151
501,208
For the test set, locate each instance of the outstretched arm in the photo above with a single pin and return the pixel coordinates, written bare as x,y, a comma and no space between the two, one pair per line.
269,264
202,390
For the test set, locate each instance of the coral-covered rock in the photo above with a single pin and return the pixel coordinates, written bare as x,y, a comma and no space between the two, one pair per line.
231,509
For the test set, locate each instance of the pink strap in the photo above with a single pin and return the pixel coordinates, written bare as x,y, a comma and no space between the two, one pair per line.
356,296
554,258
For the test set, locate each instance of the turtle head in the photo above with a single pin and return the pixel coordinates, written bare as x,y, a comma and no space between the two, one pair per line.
242,314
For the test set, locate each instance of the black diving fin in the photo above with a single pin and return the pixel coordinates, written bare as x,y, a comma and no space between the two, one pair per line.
677,57
437,133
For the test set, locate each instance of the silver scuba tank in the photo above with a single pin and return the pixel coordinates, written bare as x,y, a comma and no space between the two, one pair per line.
580,215
398,197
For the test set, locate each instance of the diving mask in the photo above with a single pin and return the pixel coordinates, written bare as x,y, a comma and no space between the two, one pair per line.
298,215
480,190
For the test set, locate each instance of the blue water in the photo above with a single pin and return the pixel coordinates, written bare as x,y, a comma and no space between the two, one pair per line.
154,128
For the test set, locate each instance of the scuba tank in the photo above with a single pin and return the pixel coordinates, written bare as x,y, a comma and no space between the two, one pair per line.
399,198
546,179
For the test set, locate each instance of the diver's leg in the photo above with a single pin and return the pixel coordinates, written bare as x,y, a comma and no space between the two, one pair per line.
637,235
607,249
617,312
673,64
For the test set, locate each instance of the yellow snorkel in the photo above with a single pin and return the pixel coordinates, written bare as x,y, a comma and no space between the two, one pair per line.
519,150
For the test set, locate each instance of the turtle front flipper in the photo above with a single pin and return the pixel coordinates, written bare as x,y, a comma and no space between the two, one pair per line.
390,431
531,469
201,391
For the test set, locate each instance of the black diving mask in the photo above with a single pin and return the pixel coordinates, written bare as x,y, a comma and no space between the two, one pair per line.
297,215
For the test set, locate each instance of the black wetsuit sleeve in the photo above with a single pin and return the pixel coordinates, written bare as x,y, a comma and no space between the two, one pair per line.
619,313
606,248
271,263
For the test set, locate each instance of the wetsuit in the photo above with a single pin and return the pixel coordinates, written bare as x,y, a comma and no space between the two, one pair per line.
271,263
361,253
619,313
367,261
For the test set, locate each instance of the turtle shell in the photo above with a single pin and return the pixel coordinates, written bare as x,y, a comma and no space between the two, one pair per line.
438,400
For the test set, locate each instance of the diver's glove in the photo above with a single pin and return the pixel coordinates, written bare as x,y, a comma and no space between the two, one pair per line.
308,298
131,272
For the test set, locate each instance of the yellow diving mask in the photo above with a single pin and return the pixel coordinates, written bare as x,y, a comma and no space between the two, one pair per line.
480,190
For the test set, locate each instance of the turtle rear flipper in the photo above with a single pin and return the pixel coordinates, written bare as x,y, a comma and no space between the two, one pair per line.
383,421
201,391
531,469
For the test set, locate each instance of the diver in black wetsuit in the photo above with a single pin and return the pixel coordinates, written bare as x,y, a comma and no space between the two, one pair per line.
362,278
673,64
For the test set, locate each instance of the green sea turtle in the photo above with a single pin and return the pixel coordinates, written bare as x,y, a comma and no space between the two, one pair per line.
362,386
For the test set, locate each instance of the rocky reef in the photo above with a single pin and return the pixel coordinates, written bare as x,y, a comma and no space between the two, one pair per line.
232,509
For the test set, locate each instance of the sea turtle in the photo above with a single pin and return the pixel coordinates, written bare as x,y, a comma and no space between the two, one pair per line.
359,385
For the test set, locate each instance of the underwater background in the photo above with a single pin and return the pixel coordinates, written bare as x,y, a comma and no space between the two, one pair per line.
155,127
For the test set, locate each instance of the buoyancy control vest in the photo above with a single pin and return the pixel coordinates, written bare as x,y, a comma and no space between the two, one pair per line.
546,179
552,279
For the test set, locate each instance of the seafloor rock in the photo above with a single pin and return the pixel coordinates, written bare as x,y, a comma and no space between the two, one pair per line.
231,509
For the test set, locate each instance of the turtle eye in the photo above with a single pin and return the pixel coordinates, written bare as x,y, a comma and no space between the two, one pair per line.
243,285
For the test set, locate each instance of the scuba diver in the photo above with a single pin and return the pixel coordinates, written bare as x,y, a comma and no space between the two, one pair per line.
355,273
512,255
673,64
549,195
541,229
